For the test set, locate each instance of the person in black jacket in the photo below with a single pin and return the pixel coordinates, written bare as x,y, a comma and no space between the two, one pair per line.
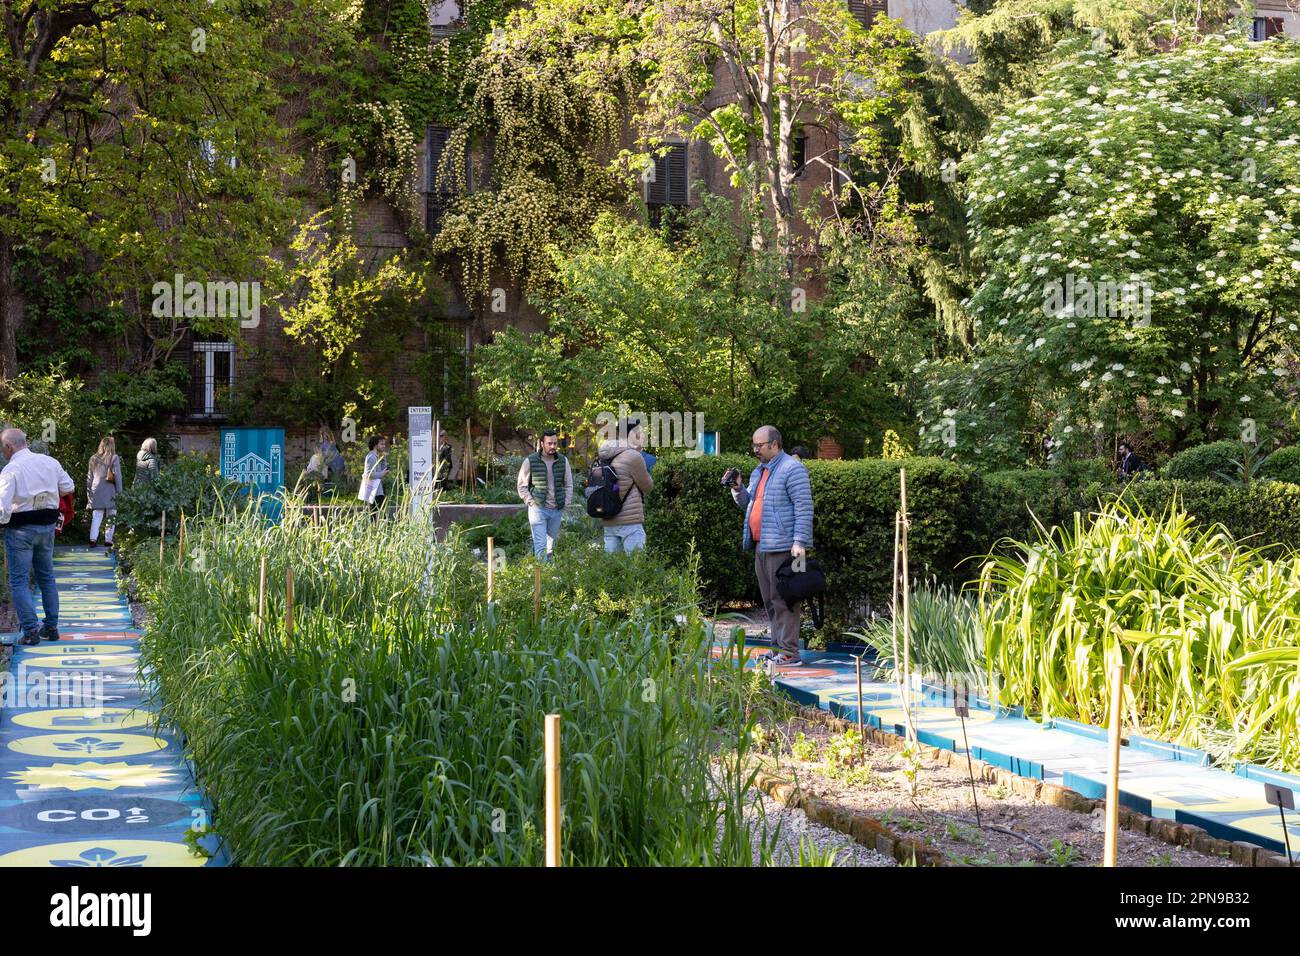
1129,463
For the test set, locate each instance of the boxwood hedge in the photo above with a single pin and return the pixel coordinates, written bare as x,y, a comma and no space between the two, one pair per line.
957,516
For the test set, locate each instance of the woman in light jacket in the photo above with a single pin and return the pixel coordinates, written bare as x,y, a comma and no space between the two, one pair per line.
103,484
372,478
148,466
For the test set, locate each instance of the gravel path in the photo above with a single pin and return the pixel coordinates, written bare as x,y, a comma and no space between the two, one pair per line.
792,828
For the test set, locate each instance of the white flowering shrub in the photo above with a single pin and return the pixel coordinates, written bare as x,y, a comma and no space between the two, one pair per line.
1139,224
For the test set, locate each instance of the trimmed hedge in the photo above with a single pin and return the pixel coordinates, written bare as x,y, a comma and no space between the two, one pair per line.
1282,465
957,515
1204,462
853,522
1263,514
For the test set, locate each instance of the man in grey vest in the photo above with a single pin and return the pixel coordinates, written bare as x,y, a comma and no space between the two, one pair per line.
545,484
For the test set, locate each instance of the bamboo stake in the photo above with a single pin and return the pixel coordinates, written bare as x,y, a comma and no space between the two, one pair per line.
437,456
162,536
492,567
261,594
1112,783
467,480
893,608
288,602
180,544
537,593
552,789
862,736
907,608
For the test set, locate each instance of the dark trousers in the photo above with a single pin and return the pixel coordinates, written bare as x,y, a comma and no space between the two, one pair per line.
783,619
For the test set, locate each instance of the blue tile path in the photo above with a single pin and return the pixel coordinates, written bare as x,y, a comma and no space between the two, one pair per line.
85,778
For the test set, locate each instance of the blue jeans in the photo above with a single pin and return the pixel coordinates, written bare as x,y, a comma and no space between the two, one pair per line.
545,523
31,548
624,537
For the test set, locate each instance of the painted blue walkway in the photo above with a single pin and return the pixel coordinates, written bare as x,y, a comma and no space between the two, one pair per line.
85,780
1156,778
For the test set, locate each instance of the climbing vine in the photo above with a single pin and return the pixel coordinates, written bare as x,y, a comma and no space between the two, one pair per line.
548,98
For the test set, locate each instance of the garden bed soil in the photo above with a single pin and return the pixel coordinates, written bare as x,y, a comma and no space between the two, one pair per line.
1070,838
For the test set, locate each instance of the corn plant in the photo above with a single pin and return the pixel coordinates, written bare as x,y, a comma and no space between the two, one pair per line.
1205,627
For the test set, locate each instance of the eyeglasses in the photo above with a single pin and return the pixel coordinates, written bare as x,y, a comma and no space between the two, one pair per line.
757,445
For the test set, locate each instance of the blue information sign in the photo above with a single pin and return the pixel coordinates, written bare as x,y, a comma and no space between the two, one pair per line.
255,457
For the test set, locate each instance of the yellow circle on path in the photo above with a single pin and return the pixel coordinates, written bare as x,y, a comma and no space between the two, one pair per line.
94,775
83,719
84,649
81,662
87,744
104,853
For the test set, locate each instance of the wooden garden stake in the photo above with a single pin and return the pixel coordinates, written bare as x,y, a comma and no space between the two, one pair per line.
904,585
261,593
467,479
288,602
180,544
162,536
537,593
893,605
1284,799
492,567
552,789
862,737
1112,782
961,704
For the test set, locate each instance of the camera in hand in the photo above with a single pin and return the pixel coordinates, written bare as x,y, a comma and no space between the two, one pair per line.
730,476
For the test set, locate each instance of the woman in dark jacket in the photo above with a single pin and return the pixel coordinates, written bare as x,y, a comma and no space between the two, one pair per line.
148,465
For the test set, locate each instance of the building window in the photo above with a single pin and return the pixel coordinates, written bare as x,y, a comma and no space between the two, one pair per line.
445,16
212,376
1265,28
437,195
866,10
799,154
666,184
208,150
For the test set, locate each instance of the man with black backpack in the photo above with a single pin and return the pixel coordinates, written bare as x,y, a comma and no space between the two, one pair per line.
617,486
545,484
778,526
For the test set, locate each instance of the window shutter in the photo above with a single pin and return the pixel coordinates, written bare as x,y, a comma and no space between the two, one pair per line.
668,188
677,175
437,196
438,139
866,10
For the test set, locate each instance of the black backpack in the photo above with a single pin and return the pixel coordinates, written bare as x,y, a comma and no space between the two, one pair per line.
804,585
603,500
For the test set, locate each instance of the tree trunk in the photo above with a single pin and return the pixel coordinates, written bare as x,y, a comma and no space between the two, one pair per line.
11,311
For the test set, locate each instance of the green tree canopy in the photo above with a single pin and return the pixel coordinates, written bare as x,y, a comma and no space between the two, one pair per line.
1138,223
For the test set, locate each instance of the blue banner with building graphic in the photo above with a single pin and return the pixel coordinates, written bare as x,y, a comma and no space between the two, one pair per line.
255,457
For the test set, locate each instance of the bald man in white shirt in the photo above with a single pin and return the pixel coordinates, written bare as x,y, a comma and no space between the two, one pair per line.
30,485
